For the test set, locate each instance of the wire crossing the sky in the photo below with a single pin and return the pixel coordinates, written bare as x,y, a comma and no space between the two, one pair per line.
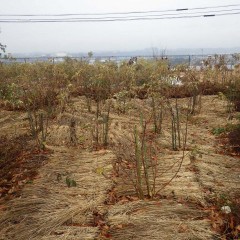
124,17
181,13
118,13
115,20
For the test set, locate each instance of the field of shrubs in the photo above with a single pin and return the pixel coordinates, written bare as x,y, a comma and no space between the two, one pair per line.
145,113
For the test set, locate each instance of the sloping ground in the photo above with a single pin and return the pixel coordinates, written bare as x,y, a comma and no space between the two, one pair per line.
216,172
12,123
203,175
19,159
219,174
158,220
104,206
199,183
49,209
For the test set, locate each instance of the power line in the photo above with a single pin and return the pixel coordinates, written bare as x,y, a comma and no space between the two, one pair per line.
118,13
113,19
124,17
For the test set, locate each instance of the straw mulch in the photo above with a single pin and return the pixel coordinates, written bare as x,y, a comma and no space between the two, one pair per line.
203,176
219,174
185,185
12,123
49,209
154,220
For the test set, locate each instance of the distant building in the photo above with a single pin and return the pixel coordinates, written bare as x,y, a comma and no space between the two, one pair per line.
61,54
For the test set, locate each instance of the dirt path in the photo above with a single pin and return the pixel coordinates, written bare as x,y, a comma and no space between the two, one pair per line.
102,206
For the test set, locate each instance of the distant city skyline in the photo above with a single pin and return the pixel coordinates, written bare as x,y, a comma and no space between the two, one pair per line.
191,33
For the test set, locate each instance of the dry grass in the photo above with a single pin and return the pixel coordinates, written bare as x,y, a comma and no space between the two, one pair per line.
158,220
48,209
219,174
48,204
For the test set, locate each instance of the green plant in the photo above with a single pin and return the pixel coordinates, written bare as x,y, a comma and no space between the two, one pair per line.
70,182
11,94
218,130
121,99
195,152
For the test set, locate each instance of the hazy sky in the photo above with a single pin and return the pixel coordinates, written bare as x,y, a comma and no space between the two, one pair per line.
110,36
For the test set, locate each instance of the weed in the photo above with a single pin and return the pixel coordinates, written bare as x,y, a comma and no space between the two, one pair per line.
218,130
195,152
70,182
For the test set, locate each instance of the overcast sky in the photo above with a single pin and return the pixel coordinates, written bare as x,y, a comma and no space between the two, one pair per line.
116,36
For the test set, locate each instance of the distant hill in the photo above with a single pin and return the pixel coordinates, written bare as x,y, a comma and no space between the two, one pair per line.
180,51
143,52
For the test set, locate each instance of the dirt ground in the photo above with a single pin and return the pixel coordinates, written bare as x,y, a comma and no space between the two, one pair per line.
75,192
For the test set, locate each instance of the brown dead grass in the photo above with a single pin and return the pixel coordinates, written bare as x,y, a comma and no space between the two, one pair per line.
158,220
48,208
103,205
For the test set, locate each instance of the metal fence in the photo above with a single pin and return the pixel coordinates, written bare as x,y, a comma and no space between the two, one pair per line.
190,60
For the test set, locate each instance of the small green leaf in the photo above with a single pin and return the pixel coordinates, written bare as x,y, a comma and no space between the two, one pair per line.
70,182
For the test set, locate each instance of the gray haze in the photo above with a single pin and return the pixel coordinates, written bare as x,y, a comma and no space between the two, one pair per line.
216,32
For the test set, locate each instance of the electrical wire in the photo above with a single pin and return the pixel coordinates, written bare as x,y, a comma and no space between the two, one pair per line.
118,13
146,15
126,17
113,20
